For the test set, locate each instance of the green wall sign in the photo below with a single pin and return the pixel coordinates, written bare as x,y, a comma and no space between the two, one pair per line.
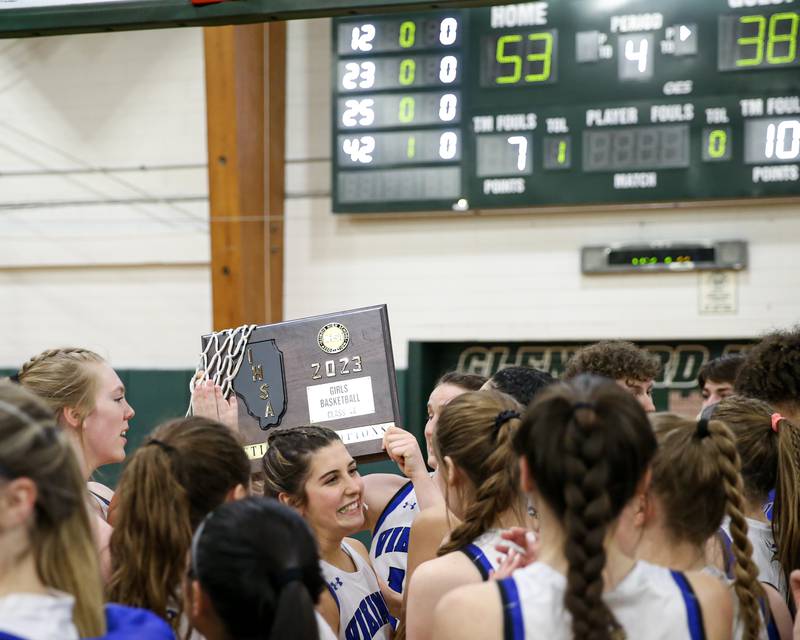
675,389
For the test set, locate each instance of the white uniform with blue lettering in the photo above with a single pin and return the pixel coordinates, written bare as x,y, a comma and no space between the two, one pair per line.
651,603
483,553
389,548
362,610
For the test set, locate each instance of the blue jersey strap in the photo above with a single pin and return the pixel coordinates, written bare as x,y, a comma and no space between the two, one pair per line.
768,507
727,550
772,630
478,558
513,626
397,498
8,636
693,611
335,597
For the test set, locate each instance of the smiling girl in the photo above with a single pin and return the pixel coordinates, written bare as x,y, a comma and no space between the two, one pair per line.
309,469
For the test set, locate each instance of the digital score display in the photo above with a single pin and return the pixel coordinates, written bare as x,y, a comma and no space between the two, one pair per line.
729,255
566,104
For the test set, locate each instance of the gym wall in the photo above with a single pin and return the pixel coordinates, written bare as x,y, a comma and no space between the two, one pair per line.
104,219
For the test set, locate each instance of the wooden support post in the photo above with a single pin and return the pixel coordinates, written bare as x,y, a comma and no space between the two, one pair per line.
275,137
245,93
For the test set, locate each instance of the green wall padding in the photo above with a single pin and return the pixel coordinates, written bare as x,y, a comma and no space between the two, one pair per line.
160,395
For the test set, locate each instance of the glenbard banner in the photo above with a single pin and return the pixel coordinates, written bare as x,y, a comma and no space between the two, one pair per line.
675,388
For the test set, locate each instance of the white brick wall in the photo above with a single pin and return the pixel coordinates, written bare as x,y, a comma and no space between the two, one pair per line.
95,250
103,197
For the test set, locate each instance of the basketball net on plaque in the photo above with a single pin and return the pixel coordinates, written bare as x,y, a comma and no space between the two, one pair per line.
221,358
335,370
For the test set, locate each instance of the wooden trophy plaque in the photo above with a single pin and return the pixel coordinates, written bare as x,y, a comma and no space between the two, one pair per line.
334,370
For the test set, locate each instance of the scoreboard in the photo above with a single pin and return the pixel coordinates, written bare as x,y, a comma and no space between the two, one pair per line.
567,103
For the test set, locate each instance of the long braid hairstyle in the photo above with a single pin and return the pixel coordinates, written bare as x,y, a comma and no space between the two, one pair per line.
588,444
287,462
769,446
475,431
63,378
691,460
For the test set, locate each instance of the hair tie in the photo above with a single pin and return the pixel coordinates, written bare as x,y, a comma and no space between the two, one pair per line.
502,418
287,576
14,378
582,405
168,448
776,418
702,429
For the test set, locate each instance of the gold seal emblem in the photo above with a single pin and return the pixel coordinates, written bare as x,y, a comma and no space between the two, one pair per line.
333,337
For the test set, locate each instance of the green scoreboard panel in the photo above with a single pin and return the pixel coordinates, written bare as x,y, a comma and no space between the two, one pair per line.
565,103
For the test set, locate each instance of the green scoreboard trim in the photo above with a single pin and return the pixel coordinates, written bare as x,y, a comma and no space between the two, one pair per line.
567,104
25,18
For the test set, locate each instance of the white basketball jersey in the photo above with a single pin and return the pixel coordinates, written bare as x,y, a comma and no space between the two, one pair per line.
389,548
651,603
362,610
483,554
764,550
768,630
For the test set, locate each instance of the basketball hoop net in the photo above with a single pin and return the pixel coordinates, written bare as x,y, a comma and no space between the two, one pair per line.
221,358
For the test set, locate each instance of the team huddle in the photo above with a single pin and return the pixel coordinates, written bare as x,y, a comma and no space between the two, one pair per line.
542,509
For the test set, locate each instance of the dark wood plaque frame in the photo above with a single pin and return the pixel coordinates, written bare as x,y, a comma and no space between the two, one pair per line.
289,354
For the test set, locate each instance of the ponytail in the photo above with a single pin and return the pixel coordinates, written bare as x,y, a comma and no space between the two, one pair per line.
288,621
257,561
475,431
66,560
60,535
769,447
151,534
183,472
746,585
587,444
786,510
691,460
